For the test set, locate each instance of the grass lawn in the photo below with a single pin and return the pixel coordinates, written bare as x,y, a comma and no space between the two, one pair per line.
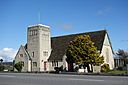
118,72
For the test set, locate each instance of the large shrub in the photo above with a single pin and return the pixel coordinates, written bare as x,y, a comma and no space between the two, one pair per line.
82,50
1,67
18,66
58,69
105,68
120,68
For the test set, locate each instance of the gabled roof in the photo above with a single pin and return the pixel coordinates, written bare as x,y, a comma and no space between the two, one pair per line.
60,43
25,50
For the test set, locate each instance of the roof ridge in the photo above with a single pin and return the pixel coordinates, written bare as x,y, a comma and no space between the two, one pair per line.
79,33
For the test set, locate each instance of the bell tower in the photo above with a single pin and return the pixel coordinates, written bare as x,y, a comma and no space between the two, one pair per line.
39,46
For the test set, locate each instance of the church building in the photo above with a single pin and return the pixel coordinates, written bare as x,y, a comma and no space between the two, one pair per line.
43,53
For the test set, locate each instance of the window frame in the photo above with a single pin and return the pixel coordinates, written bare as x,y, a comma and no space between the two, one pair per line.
34,64
33,54
21,55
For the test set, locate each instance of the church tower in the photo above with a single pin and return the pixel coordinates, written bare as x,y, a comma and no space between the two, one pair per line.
39,46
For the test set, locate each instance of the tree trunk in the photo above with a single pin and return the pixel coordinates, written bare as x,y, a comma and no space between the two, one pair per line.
88,67
70,67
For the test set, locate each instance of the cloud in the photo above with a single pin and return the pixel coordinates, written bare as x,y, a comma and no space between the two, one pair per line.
7,54
66,26
103,11
124,40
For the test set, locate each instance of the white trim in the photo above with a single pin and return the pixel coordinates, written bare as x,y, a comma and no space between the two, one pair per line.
39,25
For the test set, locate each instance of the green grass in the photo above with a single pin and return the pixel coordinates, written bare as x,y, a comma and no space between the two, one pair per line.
118,72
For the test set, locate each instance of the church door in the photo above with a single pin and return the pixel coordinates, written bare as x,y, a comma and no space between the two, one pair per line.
45,66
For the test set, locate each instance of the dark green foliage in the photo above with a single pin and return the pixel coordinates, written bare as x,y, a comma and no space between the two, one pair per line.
105,68
57,69
1,60
1,67
82,51
76,68
61,68
120,68
19,66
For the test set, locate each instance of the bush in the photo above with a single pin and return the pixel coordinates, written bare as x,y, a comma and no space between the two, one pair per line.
120,68
18,66
105,68
58,69
76,68
1,67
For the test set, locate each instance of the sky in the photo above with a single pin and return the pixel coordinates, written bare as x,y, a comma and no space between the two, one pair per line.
64,17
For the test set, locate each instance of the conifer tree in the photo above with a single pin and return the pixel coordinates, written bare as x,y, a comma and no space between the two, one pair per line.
83,52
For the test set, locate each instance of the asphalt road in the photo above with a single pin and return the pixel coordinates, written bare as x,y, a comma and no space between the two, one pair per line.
59,79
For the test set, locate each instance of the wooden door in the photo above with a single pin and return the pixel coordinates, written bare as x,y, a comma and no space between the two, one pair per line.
45,66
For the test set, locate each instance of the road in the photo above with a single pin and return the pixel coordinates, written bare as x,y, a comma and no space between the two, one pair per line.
59,79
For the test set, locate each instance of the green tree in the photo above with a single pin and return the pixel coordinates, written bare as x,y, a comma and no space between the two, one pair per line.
105,68
82,51
1,65
19,66
1,60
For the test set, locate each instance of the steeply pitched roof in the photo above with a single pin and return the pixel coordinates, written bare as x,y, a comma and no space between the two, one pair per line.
60,43
25,50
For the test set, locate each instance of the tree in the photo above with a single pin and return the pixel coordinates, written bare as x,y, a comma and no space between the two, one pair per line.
83,52
19,66
1,65
123,55
1,60
105,68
